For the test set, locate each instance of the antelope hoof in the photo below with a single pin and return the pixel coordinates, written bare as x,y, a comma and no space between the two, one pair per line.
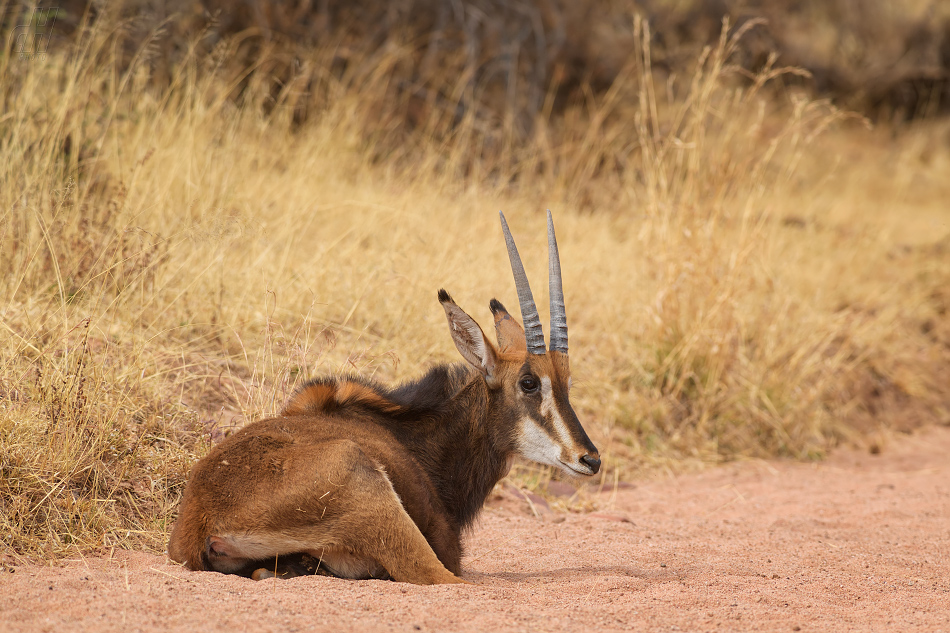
262,574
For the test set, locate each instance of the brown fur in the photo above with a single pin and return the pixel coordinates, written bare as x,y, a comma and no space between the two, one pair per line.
509,333
326,396
373,482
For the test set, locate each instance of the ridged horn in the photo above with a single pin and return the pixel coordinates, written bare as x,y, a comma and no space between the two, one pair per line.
556,292
534,336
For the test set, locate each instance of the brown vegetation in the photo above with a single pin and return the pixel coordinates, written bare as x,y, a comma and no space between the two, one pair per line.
191,226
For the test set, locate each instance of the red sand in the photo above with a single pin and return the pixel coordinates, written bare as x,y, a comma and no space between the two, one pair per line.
857,543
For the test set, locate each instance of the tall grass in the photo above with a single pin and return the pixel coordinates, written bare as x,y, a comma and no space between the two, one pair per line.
176,257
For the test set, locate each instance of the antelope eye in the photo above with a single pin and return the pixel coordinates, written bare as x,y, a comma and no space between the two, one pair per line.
529,384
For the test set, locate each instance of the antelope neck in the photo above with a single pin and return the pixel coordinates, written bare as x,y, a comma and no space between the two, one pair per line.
461,445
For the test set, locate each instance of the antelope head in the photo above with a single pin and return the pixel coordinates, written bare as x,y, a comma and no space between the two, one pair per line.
531,382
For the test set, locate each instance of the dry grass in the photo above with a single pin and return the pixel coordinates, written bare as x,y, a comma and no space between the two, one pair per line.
740,280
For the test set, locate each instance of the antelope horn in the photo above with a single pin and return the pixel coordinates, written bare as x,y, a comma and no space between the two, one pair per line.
534,337
556,292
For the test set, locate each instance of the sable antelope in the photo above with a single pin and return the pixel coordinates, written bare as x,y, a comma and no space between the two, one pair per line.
356,480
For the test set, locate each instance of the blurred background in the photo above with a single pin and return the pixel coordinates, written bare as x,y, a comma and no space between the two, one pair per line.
202,204
885,59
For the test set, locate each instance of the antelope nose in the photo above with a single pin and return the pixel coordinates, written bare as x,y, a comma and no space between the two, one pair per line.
591,462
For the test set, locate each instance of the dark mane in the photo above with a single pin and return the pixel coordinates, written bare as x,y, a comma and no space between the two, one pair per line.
431,392
413,399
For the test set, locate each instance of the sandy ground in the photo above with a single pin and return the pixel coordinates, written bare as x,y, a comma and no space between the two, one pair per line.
857,543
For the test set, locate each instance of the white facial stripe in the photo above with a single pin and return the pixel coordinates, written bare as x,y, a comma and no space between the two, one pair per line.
549,409
537,445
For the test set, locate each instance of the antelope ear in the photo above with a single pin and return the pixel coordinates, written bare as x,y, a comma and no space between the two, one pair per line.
469,338
509,333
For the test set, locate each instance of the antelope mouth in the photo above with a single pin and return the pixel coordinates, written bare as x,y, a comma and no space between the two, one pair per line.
584,471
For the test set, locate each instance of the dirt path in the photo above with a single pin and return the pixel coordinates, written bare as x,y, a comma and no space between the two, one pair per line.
857,543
